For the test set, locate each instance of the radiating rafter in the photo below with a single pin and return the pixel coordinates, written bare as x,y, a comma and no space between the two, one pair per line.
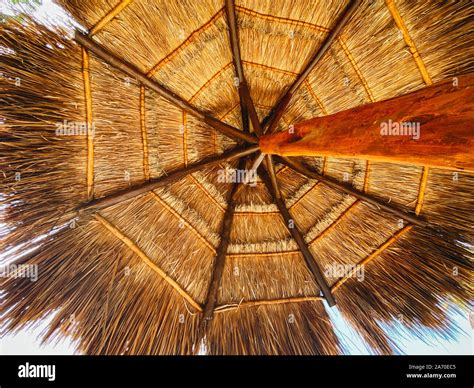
247,105
219,262
271,121
272,185
127,194
133,72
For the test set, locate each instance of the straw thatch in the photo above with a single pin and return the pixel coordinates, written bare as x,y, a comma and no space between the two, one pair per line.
133,278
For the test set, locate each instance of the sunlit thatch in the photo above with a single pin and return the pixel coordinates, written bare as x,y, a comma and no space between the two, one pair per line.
93,268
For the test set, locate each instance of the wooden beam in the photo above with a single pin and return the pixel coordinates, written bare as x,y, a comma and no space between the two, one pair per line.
245,115
219,263
247,104
228,130
134,72
124,195
331,182
272,185
433,126
250,108
212,293
109,16
408,40
275,115
90,124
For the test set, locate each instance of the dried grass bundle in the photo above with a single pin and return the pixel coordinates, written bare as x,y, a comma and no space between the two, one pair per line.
281,329
134,278
42,172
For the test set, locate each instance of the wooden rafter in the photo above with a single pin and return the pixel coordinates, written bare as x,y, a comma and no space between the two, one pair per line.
247,105
132,71
408,216
124,195
211,298
219,262
245,115
275,115
272,185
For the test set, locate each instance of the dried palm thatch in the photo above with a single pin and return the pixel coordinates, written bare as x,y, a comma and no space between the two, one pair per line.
138,276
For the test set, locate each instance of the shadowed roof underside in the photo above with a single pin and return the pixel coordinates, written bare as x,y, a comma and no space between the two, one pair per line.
133,278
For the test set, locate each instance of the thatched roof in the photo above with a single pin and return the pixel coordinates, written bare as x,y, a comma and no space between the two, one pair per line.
133,277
